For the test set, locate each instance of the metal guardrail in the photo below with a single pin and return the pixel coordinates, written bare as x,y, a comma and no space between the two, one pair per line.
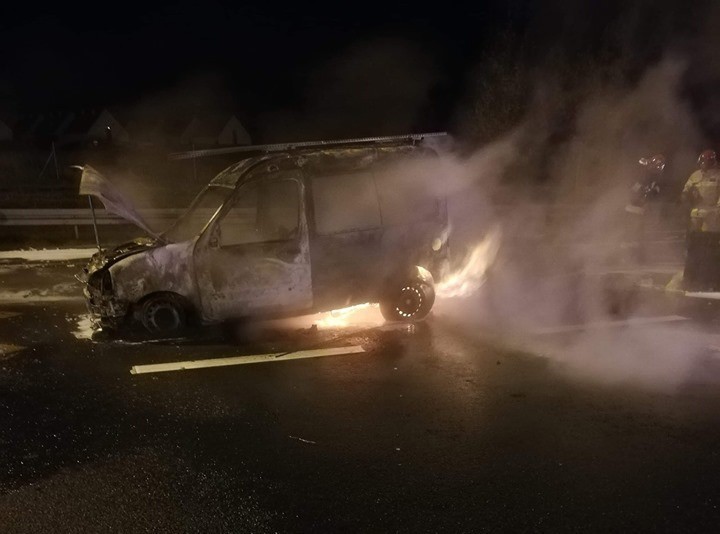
80,217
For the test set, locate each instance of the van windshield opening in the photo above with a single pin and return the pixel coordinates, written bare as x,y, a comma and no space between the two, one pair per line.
191,223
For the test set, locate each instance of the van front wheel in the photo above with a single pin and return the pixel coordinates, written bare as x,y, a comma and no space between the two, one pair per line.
411,302
164,314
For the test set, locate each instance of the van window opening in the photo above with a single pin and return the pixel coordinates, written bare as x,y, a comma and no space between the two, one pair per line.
191,223
262,213
405,199
345,203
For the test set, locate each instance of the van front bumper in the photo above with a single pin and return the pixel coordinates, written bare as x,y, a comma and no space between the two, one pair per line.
105,311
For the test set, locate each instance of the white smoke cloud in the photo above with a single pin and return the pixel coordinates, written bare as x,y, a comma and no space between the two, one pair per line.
549,270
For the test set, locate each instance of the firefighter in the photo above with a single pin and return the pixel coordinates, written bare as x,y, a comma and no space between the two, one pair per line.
701,194
701,190
645,188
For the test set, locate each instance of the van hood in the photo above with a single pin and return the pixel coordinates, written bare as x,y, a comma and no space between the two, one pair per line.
95,184
106,258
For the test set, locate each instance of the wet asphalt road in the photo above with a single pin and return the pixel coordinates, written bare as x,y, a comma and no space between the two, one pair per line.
430,430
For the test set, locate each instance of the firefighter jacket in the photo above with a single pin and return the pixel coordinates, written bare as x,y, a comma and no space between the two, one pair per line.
702,191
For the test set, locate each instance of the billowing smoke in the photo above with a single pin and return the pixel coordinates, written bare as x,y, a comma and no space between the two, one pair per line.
564,259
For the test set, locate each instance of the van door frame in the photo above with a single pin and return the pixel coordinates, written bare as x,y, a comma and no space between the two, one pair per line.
298,272
372,237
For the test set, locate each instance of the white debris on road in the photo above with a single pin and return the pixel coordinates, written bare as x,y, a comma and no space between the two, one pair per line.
58,254
311,442
242,360
84,327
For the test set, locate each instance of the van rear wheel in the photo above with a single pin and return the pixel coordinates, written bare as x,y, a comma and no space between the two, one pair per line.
410,302
164,314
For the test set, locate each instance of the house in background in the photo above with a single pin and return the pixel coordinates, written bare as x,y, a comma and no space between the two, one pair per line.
42,128
25,127
174,129
93,128
51,126
213,130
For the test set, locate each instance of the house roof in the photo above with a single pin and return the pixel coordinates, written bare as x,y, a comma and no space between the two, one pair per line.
82,122
52,124
25,126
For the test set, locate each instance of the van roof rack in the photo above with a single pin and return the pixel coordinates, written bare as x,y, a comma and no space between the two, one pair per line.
281,147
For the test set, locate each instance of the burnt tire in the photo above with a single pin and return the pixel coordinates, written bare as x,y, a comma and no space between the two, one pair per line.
164,314
409,302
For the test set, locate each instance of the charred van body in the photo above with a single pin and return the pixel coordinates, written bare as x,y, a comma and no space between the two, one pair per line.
282,234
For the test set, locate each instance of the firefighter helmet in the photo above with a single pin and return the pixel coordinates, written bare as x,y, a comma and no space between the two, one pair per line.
655,164
707,159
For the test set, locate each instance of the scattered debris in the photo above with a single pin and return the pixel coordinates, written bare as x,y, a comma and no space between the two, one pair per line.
7,351
303,440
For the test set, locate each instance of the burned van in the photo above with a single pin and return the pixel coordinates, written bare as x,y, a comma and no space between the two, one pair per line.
285,233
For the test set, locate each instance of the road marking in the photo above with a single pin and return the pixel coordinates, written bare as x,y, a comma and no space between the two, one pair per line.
243,360
635,321
8,315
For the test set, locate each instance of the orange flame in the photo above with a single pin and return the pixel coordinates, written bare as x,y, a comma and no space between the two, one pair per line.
367,313
471,275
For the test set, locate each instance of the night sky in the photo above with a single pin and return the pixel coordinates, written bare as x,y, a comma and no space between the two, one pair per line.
294,63
263,51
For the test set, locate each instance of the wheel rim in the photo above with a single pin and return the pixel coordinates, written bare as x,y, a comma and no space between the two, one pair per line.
409,302
163,317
